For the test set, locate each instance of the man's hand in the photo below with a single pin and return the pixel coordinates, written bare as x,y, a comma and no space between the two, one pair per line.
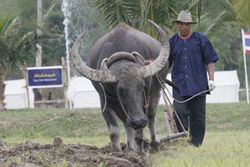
211,85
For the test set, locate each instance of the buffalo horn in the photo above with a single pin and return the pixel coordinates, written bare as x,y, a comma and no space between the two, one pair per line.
82,68
162,59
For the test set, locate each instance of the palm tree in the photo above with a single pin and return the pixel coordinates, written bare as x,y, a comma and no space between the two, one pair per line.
14,49
241,9
136,13
5,23
236,10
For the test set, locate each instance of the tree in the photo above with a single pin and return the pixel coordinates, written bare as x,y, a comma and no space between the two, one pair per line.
14,49
236,11
136,13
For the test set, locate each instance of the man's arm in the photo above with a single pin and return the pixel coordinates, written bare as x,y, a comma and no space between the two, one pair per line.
210,70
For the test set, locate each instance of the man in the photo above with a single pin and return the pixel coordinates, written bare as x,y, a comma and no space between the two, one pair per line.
192,57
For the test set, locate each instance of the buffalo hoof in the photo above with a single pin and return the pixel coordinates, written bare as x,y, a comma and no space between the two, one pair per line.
155,145
128,149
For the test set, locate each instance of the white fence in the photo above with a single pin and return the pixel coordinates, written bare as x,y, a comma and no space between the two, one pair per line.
83,95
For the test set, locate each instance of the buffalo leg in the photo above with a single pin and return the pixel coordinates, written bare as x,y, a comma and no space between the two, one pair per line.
130,138
135,140
139,141
155,142
114,131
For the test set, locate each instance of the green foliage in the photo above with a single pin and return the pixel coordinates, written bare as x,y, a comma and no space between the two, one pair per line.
229,51
136,13
239,10
9,8
242,8
15,44
52,37
227,38
115,12
4,24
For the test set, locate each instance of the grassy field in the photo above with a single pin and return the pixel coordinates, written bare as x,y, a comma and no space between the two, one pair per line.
226,144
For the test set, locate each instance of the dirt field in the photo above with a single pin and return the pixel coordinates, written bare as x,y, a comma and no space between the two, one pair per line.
30,154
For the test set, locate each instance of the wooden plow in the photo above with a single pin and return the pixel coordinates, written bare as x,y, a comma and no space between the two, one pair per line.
169,122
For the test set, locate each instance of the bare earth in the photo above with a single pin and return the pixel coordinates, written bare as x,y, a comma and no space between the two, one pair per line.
30,154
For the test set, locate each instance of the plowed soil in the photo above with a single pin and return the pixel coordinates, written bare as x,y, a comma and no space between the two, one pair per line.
57,154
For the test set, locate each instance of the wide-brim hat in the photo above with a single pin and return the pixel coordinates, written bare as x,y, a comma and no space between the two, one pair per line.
185,17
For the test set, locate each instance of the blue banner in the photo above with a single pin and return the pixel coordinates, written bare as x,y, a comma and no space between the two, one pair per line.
45,77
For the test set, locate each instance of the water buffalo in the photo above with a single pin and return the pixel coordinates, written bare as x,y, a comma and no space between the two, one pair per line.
127,87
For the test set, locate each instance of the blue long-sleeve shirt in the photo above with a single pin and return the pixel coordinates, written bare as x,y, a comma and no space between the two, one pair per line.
189,58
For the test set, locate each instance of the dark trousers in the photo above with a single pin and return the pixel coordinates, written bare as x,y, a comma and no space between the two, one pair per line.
192,114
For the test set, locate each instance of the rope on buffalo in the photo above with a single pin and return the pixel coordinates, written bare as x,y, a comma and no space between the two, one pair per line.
184,101
146,98
123,108
105,101
162,83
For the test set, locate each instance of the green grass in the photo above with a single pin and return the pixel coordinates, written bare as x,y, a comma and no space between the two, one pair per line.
226,142
220,149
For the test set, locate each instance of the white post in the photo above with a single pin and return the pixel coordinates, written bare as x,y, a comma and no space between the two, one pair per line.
245,65
39,32
39,15
27,87
66,13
